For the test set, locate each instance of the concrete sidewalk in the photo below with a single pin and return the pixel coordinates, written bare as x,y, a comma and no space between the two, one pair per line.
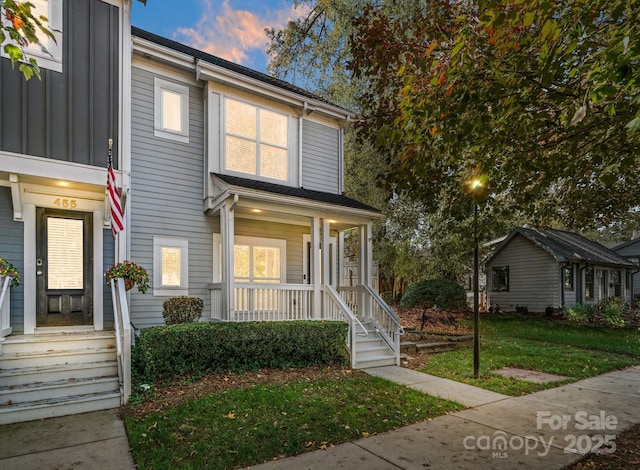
88,441
544,430
548,429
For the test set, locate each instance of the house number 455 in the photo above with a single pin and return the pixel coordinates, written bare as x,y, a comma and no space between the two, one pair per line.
65,203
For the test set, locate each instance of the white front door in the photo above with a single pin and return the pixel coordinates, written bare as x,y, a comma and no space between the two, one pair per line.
306,257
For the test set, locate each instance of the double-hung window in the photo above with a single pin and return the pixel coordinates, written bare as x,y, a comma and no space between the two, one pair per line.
171,103
256,141
589,284
170,266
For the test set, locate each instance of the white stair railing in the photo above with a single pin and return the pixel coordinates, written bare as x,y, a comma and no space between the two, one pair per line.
5,311
122,324
369,306
335,308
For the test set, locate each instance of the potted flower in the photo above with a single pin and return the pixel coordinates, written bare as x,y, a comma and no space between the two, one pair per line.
9,270
131,273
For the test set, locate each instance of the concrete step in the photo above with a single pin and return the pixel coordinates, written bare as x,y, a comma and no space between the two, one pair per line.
375,361
26,375
48,342
34,392
372,351
52,358
50,408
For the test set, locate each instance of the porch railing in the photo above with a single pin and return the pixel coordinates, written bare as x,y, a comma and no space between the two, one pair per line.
336,309
5,311
122,324
368,305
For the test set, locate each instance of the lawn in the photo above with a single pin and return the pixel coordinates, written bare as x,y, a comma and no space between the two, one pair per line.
537,343
252,425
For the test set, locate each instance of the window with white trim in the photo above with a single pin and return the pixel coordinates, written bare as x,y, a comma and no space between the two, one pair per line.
171,110
170,266
256,141
260,260
47,52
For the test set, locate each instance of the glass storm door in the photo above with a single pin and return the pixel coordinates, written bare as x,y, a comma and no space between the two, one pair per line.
64,267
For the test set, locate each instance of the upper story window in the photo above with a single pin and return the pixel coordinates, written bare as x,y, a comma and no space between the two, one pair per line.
256,141
171,102
48,53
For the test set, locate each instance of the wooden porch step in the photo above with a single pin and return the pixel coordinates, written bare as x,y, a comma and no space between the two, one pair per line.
55,357
32,392
49,408
47,342
376,361
25,375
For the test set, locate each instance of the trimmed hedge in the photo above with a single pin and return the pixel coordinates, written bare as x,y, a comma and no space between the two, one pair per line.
182,309
195,348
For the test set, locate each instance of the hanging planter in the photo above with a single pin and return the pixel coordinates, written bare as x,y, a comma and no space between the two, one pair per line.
131,273
9,270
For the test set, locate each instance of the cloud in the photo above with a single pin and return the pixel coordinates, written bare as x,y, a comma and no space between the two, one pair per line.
234,34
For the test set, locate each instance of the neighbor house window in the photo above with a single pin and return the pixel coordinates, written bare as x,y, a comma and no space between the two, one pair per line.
588,284
256,141
616,281
567,275
171,103
500,278
170,266
47,52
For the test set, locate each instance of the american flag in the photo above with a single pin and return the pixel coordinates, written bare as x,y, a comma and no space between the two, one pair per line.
117,217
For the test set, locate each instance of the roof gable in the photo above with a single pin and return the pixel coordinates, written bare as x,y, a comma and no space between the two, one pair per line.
566,247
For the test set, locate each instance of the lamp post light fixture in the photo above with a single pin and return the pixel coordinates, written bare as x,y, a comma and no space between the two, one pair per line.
476,189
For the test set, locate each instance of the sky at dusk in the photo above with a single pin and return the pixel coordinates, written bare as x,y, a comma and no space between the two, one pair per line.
231,29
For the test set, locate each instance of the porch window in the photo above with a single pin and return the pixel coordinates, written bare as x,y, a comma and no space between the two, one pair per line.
171,103
256,260
616,281
47,52
256,141
588,284
567,275
170,266
500,278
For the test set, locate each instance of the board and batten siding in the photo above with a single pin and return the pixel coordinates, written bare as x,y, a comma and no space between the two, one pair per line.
167,180
320,157
533,277
68,116
12,248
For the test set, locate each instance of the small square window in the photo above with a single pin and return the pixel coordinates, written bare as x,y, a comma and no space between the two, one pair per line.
500,279
170,266
171,102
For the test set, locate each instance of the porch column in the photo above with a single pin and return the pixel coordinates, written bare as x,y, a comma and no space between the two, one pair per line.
315,266
227,230
341,258
365,268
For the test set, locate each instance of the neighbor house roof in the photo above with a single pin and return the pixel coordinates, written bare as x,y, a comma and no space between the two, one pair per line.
567,247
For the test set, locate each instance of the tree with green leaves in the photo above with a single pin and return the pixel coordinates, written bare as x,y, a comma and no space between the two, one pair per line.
541,96
20,29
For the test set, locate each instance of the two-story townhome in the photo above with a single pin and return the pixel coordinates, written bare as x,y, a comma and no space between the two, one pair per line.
54,217
231,184
236,197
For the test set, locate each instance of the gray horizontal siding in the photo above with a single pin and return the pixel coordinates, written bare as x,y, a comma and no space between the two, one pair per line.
68,116
320,157
108,256
632,250
166,196
533,277
12,249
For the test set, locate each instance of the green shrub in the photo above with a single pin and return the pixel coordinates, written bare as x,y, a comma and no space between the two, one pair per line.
440,293
182,309
608,312
196,348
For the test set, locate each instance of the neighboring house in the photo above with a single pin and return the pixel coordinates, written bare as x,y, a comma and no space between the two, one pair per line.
538,269
232,188
631,251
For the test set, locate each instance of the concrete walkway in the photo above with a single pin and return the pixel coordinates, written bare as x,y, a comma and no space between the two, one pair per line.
544,430
88,441
548,429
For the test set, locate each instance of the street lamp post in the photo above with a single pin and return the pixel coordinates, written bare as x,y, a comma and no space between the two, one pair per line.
476,189
476,303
